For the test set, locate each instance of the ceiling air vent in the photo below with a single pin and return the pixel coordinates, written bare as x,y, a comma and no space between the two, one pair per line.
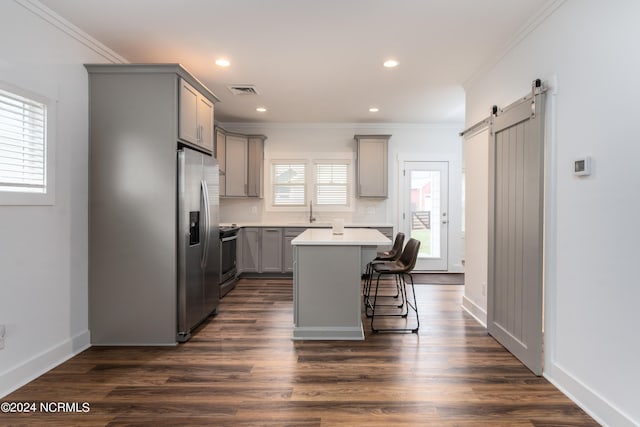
243,90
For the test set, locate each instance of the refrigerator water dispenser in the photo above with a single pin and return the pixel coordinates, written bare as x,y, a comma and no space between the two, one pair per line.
194,228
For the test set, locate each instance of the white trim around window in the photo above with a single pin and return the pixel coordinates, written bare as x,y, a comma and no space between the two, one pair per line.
27,141
332,183
288,183
329,193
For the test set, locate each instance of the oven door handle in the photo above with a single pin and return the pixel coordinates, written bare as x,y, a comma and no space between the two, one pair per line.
228,239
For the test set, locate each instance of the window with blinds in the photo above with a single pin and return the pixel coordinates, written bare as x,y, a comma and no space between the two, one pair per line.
289,182
23,144
332,183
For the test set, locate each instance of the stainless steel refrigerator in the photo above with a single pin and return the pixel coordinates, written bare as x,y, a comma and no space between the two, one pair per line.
198,239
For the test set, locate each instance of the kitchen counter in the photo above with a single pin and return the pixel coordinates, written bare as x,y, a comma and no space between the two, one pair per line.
349,237
294,224
326,282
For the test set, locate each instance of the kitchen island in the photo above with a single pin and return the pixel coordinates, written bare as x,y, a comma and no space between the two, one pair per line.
326,282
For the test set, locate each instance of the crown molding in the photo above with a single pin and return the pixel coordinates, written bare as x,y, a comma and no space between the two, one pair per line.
48,15
350,126
534,22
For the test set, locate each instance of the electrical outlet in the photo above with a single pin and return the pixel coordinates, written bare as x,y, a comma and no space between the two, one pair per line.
254,210
371,211
2,331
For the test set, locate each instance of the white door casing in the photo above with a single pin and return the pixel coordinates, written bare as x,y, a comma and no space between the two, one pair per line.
425,211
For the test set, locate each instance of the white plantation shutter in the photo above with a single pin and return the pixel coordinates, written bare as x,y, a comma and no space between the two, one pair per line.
289,184
22,144
332,184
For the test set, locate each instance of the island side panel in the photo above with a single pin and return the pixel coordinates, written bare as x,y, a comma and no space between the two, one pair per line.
327,292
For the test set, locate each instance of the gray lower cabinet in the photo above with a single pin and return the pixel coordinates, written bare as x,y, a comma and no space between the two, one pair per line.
271,250
250,258
287,250
266,249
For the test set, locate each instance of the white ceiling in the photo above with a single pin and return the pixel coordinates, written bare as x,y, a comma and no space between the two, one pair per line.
315,61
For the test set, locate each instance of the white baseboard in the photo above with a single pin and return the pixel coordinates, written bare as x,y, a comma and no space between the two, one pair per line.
475,311
31,369
591,402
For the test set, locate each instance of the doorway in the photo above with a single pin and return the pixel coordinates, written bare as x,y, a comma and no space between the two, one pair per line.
424,216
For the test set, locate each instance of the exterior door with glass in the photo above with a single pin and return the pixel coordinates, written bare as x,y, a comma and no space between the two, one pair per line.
424,213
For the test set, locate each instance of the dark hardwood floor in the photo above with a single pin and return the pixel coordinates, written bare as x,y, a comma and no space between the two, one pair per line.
242,369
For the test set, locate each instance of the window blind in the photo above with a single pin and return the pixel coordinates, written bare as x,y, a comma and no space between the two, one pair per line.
332,184
22,144
289,184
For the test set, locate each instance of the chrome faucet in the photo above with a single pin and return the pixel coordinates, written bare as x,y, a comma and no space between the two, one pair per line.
311,218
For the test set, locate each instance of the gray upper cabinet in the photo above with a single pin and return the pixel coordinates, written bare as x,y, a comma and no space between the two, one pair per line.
205,122
372,165
241,159
255,166
195,117
236,165
221,145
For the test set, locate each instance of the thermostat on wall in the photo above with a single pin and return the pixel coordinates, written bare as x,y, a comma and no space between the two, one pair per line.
582,167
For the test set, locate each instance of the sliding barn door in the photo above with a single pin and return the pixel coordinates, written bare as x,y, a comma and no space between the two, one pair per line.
516,177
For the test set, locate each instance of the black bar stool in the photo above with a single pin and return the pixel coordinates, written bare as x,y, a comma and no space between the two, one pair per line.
392,255
401,269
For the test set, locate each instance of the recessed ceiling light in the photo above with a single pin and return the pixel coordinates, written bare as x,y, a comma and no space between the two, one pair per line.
222,62
261,109
373,110
390,63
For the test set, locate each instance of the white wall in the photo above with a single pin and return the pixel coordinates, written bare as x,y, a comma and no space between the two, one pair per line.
43,266
589,48
415,142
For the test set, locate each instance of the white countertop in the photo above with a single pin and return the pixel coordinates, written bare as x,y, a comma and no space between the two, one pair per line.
285,224
350,237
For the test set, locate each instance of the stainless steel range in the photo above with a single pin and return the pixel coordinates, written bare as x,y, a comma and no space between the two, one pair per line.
228,269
